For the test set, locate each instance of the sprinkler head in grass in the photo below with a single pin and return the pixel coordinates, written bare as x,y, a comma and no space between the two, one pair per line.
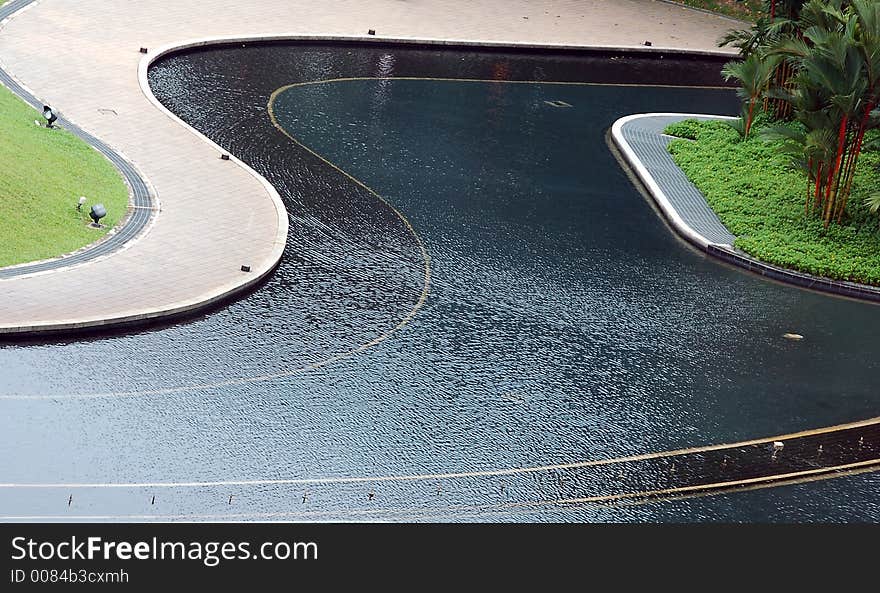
49,115
97,213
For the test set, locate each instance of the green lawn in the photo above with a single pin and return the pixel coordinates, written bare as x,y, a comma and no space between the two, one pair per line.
748,10
43,173
760,199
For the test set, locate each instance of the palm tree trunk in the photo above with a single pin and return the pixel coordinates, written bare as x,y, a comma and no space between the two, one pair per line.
851,170
749,116
829,199
842,175
833,173
809,185
855,151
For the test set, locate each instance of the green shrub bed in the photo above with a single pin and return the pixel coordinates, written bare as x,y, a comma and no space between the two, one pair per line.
760,198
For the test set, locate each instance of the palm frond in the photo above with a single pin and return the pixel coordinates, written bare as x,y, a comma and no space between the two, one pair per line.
873,203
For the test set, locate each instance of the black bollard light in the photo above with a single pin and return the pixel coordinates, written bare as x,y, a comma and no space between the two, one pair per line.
97,213
49,115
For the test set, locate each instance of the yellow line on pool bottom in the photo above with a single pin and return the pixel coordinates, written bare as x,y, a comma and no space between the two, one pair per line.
182,389
692,490
424,252
291,372
449,475
494,81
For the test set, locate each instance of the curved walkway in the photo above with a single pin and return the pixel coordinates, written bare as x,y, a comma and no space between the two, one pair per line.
641,140
83,57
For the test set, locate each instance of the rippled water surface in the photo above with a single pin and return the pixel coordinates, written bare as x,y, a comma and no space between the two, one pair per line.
563,321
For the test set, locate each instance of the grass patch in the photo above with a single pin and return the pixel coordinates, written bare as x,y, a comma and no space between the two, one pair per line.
43,173
749,10
760,199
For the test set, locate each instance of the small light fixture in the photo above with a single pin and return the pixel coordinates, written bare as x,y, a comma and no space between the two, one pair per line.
245,268
371,32
49,115
648,43
143,50
97,213
224,157
79,204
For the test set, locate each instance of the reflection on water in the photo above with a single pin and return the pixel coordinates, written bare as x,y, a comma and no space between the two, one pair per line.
564,321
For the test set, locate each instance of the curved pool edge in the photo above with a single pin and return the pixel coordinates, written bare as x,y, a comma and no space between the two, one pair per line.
682,221
154,54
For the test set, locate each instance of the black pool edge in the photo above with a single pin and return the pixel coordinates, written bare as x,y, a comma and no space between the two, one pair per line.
725,253
801,279
657,52
135,324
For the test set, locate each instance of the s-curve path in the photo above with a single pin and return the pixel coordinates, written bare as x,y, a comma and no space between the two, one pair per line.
216,216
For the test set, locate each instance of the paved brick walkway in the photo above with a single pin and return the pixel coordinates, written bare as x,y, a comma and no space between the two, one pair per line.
82,58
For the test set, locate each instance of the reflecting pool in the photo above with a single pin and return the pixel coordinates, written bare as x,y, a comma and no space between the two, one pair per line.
471,283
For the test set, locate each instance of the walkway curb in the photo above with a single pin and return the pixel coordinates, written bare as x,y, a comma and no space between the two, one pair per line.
650,179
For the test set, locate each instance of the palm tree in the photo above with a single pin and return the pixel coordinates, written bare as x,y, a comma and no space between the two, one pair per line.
867,23
837,64
748,41
873,203
781,23
754,74
808,152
